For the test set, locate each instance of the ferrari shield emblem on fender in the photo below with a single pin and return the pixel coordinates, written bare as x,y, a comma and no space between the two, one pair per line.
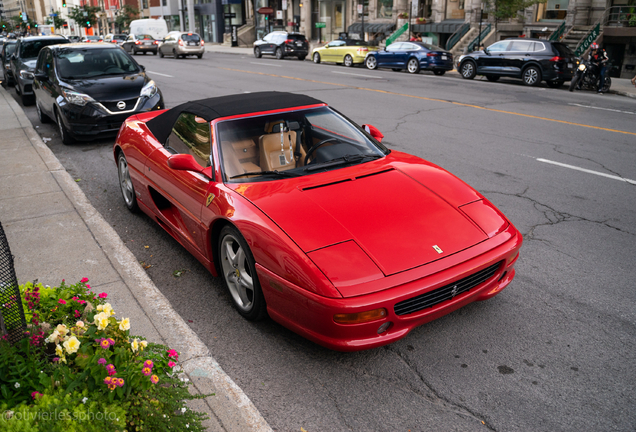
209,200
437,249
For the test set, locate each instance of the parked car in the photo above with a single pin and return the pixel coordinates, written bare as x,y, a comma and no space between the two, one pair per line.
412,56
181,44
92,39
23,62
140,43
532,60
282,44
347,52
273,192
115,38
74,38
90,90
8,48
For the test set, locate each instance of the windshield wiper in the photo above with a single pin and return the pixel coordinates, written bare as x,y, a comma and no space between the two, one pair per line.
342,161
275,172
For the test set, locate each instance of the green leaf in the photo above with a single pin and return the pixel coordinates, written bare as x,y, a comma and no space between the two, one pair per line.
5,391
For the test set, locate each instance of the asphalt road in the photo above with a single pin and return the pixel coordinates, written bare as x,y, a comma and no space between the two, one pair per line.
554,351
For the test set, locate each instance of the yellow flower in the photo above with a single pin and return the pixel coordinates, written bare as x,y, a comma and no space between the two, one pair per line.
135,345
124,324
72,345
107,309
53,337
61,329
101,320
59,351
143,344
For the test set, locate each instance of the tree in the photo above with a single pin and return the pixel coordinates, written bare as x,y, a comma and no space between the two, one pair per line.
125,16
57,20
77,15
505,9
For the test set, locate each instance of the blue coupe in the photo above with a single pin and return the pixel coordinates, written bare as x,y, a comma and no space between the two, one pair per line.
412,56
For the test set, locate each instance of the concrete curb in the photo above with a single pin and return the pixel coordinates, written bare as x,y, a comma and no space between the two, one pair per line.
230,409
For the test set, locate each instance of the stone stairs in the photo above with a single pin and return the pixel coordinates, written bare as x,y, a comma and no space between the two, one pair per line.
460,46
575,35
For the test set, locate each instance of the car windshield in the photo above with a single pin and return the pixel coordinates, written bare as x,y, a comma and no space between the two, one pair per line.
292,144
31,49
78,63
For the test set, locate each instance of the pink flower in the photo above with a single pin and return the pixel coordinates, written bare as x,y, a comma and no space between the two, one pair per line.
146,371
173,353
103,295
104,344
171,364
148,364
111,369
81,301
77,313
120,381
84,280
88,286
101,361
55,359
154,379
110,341
61,301
35,394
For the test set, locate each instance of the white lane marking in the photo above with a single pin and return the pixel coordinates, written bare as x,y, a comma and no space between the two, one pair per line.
157,73
604,109
613,177
360,75
265,64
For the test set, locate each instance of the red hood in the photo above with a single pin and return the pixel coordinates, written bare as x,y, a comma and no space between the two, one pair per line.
393,218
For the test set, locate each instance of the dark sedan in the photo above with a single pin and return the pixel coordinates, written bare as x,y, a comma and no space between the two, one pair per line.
412,56
532,60
8,48
282,44
90,90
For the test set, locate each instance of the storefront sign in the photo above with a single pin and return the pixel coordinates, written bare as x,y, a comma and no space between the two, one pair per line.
266,11
591,37
321,25
284,4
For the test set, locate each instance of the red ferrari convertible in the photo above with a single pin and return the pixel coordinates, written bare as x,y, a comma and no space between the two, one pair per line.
309,219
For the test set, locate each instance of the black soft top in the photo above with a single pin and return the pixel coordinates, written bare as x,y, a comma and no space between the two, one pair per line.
226,106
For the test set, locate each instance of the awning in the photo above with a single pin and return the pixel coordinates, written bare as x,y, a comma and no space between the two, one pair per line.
371,28
448,26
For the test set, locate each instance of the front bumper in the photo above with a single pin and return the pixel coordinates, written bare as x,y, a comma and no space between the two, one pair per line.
26,85
95,119
311,315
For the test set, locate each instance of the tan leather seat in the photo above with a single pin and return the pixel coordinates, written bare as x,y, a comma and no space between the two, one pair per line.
272,158
232,164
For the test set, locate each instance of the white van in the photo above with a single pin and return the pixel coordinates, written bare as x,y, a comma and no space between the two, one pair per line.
157,28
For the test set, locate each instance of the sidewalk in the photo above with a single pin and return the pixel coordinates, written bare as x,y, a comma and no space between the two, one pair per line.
55,233
620,86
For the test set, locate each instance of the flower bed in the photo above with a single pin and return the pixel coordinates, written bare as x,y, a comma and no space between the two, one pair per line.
78,369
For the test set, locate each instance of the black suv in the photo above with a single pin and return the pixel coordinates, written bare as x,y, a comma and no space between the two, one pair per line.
532,60
282,44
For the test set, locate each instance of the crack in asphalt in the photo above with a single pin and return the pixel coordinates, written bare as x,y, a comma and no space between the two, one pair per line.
556,149
553,216
437,398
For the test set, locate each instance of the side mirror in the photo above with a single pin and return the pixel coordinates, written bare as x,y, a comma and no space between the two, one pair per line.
373,131
41,76
143,68
184,162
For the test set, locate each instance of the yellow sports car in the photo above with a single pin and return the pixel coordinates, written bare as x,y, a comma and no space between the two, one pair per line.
347,52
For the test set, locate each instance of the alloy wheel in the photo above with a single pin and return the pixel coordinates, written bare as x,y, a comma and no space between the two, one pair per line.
316,58
468,70
236,272
371,62
413,66
531,76
348,61
125,183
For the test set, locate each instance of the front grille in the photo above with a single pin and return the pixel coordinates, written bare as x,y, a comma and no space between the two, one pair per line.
112,106
446,292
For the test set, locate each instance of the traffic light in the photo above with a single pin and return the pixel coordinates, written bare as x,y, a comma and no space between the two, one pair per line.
36,25
63,4
88,24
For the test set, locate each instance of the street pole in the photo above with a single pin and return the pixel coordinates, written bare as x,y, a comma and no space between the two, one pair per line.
481,14
409,17
362,19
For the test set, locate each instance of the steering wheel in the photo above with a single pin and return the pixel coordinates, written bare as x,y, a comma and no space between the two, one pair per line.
315,147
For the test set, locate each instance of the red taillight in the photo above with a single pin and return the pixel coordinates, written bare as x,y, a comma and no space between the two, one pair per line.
202,42
361,49
431,54
180,42
137,42
114,41
557,59
156,42
289,41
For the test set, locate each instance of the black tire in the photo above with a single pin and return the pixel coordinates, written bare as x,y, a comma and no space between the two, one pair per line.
257,52
154,53
316,58
413,65
160,54
607,84
554,84
531,76
43,117
135,52
575,79
439,72
125,184
199,55
371,62
27,99
238,271
396,69
348,61
301,57
468,70
492,78
174,53
279,54
65,136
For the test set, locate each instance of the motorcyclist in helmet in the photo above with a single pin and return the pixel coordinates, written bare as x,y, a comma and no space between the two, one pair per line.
599,58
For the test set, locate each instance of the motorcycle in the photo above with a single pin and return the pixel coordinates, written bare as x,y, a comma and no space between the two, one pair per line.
587,76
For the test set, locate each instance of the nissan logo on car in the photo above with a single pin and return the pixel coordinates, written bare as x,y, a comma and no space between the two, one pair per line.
121,105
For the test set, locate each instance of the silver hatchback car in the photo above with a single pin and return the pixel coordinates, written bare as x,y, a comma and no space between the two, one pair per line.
182,44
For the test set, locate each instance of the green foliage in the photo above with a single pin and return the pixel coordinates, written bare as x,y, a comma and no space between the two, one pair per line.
57,21
505,9
77,14
126,15
75,351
